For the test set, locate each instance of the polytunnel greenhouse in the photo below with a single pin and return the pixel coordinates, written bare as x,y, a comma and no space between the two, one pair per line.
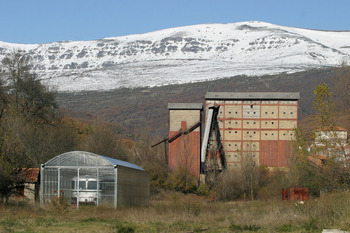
84,178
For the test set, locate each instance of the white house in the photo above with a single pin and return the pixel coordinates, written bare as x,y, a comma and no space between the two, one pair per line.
331,137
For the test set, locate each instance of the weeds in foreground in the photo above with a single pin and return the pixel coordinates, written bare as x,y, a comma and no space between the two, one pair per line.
234,227
59,204
286,228
186,213
122,228
311,225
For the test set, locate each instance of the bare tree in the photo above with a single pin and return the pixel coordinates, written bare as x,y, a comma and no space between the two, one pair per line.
15,68
250,172
31,98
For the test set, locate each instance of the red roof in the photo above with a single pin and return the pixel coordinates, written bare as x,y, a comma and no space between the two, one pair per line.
30,175
316,159
319,157
335,128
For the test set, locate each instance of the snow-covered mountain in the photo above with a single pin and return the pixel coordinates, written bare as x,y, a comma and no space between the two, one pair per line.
184,54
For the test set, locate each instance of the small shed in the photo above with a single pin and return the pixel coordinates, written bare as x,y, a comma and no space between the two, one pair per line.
27,188
85,178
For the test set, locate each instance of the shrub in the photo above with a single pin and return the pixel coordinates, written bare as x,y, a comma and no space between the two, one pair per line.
235,228
59,204
202,190
182,181
124,227
311,226
229,186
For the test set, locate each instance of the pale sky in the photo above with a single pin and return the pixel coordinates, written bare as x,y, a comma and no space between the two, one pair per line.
44,21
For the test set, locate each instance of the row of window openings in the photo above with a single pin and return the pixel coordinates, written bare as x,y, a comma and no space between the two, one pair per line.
253,133
272,134
283,134
236,145
237,113
253,123
237,132
237,155
255,113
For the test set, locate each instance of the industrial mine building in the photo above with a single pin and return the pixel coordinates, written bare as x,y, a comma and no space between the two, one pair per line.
234,127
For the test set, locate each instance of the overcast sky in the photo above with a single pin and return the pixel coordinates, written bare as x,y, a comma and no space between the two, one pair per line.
43,21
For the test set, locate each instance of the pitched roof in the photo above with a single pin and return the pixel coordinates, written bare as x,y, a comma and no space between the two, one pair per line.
317,160
335,128
29,175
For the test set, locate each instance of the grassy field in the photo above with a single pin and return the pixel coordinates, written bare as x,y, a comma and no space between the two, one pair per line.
186,213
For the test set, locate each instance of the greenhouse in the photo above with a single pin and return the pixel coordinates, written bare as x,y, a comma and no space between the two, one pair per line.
84,178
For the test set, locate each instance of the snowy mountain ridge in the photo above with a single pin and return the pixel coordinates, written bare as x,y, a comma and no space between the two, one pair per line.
184,54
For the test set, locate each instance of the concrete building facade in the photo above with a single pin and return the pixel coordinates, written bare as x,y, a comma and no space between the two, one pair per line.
185,136
234,127
259,125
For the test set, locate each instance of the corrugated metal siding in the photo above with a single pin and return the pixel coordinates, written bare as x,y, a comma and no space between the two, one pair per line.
275,153
295,193
269,153
284,152
185,151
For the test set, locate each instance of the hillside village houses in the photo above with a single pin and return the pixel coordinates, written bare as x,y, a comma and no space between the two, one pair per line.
337,136
330,143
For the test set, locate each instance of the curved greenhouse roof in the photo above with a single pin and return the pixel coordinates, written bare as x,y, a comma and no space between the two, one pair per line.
87,159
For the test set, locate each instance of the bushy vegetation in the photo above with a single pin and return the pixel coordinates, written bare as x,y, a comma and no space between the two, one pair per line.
33,130
177,212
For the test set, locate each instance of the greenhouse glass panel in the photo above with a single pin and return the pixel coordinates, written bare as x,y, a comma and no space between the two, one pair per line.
133,187
66,183
51,184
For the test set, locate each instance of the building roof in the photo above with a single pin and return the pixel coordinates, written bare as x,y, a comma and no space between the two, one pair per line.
87,159
335,128
185,106
253,95
29,175
317,160
321,157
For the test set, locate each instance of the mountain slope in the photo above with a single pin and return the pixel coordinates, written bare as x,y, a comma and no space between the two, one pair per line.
184,54
144,110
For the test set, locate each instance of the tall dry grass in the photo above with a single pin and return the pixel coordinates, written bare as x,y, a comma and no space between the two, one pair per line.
186,213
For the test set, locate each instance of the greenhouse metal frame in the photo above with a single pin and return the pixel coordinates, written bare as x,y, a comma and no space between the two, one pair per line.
85,178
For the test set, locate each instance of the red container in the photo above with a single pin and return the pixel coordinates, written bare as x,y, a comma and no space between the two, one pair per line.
305,194
284,194
295,193
291,194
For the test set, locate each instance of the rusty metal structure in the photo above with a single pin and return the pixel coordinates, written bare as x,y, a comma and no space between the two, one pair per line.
236,125
295,193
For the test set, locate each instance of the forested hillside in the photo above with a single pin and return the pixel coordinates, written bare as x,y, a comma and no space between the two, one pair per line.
144,110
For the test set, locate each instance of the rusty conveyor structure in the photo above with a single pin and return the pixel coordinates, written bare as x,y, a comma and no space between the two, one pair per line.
211,127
